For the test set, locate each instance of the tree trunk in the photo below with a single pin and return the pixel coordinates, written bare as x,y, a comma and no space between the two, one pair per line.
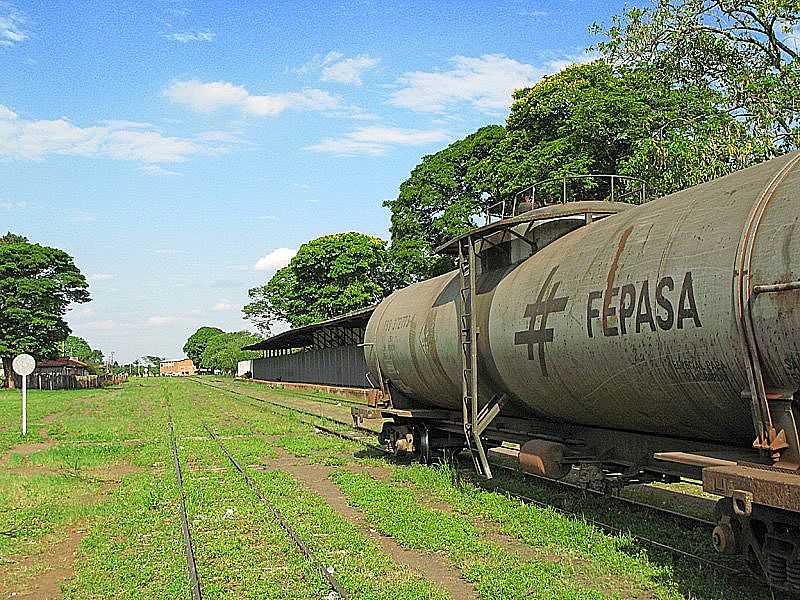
8,372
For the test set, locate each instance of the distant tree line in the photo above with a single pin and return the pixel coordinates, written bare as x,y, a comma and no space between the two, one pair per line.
682,91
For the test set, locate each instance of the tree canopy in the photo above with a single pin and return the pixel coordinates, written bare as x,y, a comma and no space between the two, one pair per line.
197,342
328,276
79,348
438,200
37,286
224,351
746,50
587,119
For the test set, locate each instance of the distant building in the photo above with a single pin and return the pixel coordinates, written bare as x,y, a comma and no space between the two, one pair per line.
62,366
177,368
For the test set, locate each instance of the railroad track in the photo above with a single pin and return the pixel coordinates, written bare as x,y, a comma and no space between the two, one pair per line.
608,528
194,580
327,574
676,515
611,529
337,592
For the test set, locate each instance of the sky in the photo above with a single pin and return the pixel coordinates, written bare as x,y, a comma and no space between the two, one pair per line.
182,151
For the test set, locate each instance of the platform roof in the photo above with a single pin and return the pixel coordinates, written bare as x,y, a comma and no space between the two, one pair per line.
302,337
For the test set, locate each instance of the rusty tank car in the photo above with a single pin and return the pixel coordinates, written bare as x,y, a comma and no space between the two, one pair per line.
623,342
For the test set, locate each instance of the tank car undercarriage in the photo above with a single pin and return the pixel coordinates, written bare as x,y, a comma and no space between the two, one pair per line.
757,518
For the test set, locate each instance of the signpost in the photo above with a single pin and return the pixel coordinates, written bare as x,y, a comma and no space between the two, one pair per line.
24,365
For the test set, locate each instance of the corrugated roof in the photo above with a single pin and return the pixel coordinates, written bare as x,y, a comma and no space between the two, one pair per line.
62,362
301,337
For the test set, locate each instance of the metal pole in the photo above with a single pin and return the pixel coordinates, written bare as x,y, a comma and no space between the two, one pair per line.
24,405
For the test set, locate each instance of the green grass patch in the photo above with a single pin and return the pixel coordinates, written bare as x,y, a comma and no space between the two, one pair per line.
496,574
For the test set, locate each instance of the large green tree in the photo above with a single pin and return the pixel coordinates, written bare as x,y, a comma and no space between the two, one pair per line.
744,49
224,351
197,342
587,119
597,119
328,276
438,201
37,286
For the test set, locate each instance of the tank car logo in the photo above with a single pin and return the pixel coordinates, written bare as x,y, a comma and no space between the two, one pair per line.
538,334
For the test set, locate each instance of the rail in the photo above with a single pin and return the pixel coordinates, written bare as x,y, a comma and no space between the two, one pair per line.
302,546
194,580
644,540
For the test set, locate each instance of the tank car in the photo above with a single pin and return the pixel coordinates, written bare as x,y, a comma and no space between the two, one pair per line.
623,342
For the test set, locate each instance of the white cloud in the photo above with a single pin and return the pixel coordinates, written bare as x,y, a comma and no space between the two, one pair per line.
124,124
185,37
35,139
377,140
207,97
11,25
157,171
101,277
349,70
170,251
484,83
277,259
164,320
335,66
12,204
218,136
224,306
101,325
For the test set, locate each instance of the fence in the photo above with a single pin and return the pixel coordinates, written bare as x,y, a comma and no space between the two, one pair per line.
59,381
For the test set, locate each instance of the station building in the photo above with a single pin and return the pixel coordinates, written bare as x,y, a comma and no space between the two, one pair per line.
328,356
179,367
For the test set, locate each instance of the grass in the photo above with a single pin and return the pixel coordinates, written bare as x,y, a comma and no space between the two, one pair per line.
104,468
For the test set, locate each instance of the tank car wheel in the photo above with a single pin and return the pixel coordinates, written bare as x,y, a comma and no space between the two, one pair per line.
425,452
724,539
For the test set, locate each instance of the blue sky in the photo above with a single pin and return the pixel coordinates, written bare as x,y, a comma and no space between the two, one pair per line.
180,151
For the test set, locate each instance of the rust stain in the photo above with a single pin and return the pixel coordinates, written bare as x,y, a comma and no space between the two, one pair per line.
612,273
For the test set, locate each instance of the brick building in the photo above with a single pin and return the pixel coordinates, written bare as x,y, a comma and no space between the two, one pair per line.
179,367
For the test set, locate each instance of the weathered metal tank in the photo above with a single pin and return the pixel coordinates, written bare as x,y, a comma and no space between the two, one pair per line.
630,322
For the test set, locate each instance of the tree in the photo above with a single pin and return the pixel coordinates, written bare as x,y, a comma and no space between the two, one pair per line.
587,119
153,363
79,348
328,276
597,119
224,351
196,344
744,49
37,286
438,201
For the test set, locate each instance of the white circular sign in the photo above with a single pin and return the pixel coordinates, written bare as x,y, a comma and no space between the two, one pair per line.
24,365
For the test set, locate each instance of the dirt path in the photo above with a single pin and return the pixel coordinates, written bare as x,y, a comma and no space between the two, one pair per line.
435,568
40,575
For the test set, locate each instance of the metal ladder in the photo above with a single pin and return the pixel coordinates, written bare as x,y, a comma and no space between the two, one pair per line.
469,358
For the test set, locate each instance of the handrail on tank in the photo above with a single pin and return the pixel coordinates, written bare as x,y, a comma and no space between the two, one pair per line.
529,193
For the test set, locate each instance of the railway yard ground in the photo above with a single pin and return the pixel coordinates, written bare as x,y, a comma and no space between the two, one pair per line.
90,507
